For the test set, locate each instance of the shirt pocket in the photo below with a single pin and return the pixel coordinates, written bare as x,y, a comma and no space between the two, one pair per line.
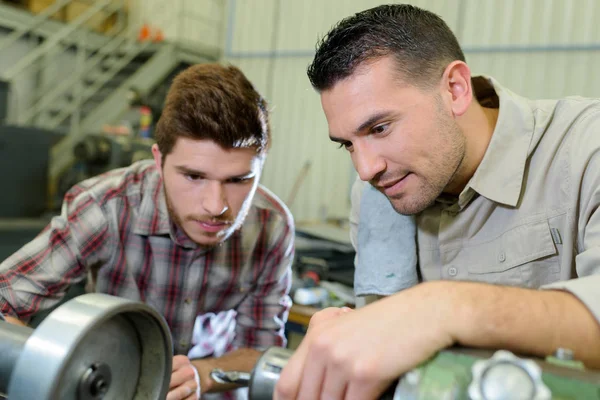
522,256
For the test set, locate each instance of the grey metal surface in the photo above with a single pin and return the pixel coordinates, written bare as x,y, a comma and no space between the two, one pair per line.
564,354
236,377
12,341
266,373
505,376
129,337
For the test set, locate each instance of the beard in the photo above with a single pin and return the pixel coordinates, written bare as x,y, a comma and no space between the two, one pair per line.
444,167
216,238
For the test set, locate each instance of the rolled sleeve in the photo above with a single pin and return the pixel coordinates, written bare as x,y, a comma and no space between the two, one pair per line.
585,289
586,165
261,317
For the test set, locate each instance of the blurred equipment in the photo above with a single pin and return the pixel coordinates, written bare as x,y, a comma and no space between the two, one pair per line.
455,374
323,253
24,154
4,88
95,346
96,154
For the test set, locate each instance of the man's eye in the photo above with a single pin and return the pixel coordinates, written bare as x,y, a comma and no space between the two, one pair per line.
346,145
240,180
379,128
193,177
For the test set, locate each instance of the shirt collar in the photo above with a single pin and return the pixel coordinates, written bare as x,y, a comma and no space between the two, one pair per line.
500,174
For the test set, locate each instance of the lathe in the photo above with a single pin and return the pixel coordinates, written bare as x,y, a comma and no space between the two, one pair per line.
94,346
97,346
456,374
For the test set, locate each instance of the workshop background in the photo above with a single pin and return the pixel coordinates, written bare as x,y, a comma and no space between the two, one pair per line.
69,69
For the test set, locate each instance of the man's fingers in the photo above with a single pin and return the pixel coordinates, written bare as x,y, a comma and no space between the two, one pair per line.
181,376
359,390
334,384
325,315
181,393
312,377
180,361
287,386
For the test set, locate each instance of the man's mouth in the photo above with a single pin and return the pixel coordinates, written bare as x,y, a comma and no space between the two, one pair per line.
213,226
392,188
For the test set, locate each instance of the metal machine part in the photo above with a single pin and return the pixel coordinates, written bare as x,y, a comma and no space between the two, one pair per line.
238,378
459,373
267,370
266,373
93,347
507,377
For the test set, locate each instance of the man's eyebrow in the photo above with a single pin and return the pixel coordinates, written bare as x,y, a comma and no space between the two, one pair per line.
191,171
246,175
365,125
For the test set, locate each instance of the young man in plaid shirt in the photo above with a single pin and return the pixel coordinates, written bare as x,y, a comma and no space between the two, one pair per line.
191,233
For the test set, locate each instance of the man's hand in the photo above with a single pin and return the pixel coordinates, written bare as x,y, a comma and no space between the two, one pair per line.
184,380
357,355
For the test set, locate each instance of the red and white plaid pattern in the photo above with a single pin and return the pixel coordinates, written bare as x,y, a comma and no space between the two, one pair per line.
115,230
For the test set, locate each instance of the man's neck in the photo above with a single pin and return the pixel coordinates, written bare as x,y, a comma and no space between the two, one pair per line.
478,125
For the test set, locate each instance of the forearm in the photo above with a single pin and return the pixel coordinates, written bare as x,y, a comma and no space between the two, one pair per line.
238,360
534,322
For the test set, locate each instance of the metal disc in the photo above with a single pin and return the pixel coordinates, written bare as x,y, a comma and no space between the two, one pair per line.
128,339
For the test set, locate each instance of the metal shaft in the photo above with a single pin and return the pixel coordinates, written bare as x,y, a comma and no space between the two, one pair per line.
12,341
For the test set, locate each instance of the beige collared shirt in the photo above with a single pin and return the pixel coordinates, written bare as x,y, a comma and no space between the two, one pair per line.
529,215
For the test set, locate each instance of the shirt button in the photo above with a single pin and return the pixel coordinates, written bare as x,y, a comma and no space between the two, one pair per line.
452,271
182,343
502,256
187,300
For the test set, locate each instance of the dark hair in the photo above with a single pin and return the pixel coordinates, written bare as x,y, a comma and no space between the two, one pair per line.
420,41
215,102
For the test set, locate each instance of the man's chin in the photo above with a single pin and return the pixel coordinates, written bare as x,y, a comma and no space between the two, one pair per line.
405,206
210,241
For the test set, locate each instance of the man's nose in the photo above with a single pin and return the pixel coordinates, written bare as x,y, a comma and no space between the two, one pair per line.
367,162
214,199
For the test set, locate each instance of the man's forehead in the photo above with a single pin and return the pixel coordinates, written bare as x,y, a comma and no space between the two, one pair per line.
209,157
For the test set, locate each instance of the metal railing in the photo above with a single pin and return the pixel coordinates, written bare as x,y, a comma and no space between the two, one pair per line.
95,58
71,38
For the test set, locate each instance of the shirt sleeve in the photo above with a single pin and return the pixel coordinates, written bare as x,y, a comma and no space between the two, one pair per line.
355,197
585,164
262,315
38,275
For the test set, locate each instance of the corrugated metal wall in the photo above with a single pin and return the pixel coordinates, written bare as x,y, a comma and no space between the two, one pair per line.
538,48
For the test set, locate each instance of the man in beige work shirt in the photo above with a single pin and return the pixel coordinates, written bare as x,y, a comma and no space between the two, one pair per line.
504,191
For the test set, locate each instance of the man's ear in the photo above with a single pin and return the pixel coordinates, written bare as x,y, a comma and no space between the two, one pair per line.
456,85
158,158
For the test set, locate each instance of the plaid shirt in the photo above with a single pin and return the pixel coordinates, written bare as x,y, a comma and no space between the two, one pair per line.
115,230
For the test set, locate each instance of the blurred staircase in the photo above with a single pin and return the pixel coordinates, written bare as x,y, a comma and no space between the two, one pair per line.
82,77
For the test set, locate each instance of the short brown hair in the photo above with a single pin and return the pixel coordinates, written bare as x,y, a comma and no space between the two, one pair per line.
215,102
419,40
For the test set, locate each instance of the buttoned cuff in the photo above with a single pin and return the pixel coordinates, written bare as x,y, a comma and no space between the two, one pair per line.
585,289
